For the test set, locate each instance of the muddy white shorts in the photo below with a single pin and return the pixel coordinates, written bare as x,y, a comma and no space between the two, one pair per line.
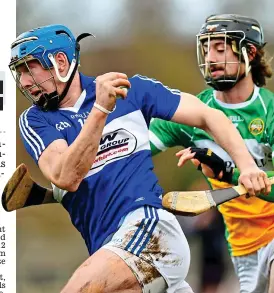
154,246
253,269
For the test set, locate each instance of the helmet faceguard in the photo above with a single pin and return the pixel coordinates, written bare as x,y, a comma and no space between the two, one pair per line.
42,44
240,33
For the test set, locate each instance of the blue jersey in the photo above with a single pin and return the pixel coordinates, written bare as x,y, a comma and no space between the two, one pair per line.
121,178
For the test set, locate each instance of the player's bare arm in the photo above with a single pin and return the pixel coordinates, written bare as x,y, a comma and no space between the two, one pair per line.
193,112
66,166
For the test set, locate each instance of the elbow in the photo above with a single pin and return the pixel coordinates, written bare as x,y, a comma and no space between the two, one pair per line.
70,185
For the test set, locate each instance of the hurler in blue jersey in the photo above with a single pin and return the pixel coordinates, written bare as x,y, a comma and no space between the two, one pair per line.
89,137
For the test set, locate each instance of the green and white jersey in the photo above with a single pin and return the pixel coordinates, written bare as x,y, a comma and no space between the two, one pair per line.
253,119
249,222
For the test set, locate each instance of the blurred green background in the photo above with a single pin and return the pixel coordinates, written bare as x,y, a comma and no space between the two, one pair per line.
155,38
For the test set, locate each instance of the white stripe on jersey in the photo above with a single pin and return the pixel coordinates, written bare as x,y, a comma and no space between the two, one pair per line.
263,104
207,103
22,132
185,132
156,141
32,131
174,91
31,134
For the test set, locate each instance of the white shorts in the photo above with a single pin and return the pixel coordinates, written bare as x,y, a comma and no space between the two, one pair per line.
154,246
253,270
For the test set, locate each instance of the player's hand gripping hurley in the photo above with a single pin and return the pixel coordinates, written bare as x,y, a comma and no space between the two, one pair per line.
192,203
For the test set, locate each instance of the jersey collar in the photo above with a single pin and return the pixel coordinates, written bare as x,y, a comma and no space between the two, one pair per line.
86,82
238,105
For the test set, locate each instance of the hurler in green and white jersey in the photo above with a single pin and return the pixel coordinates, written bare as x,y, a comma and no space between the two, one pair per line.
231,57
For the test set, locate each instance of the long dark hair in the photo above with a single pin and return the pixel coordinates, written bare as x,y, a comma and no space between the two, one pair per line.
260,68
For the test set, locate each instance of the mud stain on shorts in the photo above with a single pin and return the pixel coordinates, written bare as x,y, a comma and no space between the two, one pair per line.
148,271
156,247
158,250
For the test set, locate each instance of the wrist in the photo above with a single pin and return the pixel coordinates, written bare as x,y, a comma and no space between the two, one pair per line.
246,164
103,109
98,113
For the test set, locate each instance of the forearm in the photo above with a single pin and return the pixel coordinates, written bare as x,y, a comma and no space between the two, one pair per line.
217,125
72,165
193,112
269,197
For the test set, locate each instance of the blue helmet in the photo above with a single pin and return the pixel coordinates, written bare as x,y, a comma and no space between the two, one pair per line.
38,43
42,44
